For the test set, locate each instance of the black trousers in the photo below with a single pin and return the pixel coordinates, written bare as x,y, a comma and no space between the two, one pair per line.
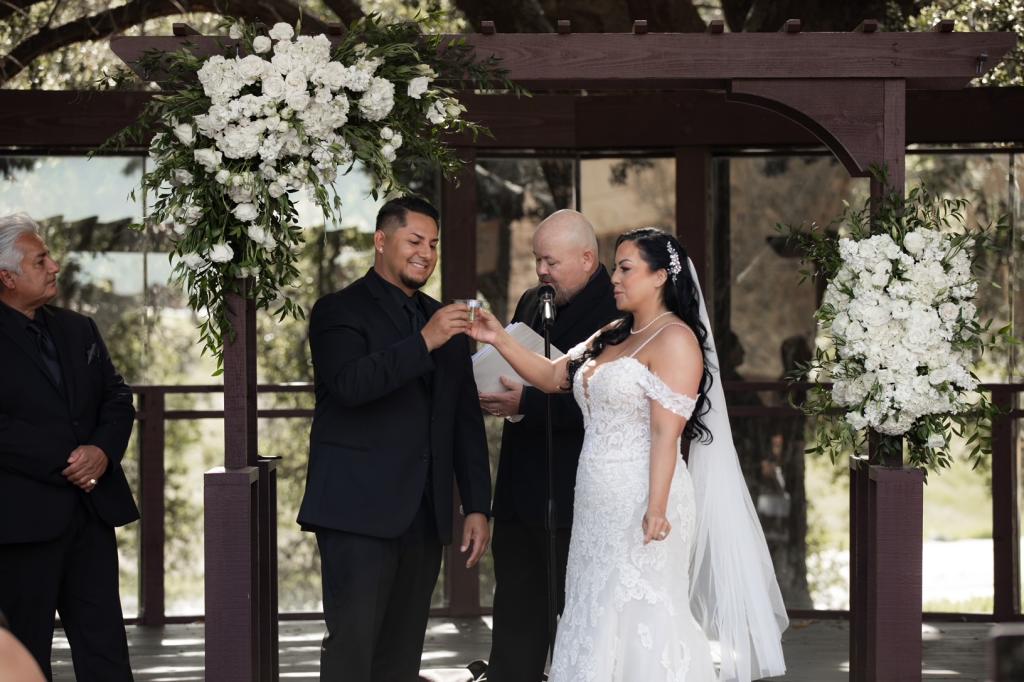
376,601
76,576
520,640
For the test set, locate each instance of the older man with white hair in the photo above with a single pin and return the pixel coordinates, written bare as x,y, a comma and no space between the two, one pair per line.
566,256
65,419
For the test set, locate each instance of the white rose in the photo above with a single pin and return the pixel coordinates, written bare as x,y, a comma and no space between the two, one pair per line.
209,158
221,253
281,31
273,86
182,176
396,141
245,212
295,82
193,261
252,67
388,152
191,215
298,101
261,44
914,243
275,189
386,133
184,132
936,440
436,113
257,234
949,311
417,86
235,32
222,176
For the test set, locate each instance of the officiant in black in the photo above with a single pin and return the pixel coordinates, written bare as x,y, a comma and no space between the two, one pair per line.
566,254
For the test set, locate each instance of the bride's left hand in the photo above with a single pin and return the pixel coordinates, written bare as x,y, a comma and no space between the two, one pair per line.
656,527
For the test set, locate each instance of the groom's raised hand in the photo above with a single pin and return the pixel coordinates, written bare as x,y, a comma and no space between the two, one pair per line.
476,534
445,323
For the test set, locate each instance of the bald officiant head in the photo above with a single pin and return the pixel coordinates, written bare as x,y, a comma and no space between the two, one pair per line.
565,251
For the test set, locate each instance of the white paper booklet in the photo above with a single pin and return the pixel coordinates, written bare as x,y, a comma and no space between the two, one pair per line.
488,365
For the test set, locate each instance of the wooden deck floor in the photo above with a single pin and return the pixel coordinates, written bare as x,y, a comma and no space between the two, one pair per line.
816,651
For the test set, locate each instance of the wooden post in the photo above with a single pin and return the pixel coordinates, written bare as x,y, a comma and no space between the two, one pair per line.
1005,517
267,562
888,522
458,280
235,605
693,207
151,496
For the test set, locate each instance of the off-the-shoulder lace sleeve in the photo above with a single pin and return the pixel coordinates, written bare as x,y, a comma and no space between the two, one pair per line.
577,351
656,389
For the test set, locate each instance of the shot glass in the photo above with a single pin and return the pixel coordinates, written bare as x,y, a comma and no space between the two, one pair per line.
472,303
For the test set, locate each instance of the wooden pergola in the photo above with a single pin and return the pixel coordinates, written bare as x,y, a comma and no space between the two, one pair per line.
857,93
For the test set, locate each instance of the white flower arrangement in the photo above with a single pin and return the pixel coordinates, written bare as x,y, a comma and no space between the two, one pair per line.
900,329
278,114
900,317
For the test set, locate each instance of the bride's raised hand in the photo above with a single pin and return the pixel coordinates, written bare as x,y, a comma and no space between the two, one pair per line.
485,327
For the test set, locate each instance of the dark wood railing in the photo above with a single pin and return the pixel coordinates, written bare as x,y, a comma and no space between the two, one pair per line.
463,584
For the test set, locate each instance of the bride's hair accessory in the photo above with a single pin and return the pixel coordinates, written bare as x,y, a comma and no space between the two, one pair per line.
674,266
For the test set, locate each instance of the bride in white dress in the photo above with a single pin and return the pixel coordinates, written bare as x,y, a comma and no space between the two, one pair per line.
662,558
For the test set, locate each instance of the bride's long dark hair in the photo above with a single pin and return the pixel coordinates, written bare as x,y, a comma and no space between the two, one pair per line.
680,297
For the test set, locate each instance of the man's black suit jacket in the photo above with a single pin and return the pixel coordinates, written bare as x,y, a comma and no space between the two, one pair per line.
40,424
387,414
521,489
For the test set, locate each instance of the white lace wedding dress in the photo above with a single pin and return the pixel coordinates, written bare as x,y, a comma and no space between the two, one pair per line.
627,614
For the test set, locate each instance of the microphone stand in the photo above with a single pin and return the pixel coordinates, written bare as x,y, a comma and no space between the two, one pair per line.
550,520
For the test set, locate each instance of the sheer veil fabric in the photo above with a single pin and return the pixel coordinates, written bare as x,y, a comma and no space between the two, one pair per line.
734,594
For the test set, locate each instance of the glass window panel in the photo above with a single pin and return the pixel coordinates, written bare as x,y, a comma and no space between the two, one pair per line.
764,324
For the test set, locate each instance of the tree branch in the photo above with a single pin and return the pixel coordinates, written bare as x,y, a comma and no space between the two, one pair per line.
346,10
112,21
509,16
9,7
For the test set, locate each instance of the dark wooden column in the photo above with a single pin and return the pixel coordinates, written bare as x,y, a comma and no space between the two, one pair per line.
693,207
151,498
458,280
234,603
1005,517
890,523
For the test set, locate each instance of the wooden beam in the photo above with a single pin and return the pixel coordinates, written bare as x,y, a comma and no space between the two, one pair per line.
36,121
180,29
622,61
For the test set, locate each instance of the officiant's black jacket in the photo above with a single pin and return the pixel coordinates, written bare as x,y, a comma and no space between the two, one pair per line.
41,423
389,419
520,492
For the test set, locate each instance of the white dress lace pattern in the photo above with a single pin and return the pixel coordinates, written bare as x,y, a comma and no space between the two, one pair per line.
627,612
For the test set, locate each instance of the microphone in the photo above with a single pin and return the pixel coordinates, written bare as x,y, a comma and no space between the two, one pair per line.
547,305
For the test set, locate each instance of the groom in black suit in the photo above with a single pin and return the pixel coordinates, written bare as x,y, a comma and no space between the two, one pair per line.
396,416
65,419
566,254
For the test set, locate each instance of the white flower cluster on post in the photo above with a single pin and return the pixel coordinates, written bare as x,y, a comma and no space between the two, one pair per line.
283,110
277,114
901,317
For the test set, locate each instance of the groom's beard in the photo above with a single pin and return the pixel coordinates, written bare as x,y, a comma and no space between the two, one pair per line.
412,283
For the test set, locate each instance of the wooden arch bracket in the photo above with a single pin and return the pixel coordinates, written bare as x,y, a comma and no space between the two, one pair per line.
863,122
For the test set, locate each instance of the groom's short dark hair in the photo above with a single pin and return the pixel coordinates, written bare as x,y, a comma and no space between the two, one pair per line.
392,214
